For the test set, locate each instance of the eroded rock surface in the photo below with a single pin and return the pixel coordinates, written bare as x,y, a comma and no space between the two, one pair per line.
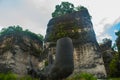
87,54
19,51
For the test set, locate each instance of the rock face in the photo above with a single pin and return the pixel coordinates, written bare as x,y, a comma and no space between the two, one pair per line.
63,65
19,51
78,26
107,54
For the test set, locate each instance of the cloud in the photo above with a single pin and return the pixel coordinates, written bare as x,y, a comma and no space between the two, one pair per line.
35,14
116,21
115,30
26,14
101,37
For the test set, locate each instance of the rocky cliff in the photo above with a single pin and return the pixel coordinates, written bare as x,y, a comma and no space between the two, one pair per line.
19,51
108,54
78,26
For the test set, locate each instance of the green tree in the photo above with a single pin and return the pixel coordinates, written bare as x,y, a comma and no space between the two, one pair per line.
115,63
66,8
18,29
118,40
78,8
63,8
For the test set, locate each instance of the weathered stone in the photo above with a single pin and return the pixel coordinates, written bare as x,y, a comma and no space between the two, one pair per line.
87,55
17,51
63,65
107,53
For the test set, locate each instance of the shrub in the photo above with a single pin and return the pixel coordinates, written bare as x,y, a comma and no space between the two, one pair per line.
82,76
11,76
8,76
114,72
66,8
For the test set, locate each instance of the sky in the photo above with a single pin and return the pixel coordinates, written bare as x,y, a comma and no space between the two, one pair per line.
35,15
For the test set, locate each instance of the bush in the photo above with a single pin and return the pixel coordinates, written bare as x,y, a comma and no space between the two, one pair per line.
66,8
8,76
82,76
11,76
114,72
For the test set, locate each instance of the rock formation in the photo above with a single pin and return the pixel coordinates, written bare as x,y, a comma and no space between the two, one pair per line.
107,54
19,51
78,26
63,65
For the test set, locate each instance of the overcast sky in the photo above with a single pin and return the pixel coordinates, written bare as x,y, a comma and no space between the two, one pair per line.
35,14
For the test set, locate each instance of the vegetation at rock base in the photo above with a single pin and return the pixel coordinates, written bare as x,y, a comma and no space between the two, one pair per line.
66,8
115,63
11,76
82,76
114,66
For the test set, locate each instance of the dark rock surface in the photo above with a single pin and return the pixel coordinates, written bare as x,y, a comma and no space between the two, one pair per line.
18,52
63,65
108,54
87,54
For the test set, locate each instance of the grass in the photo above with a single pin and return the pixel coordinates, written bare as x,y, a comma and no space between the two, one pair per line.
82,76
114,79
11,76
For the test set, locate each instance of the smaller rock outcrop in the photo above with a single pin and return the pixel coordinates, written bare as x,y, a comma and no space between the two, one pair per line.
107,53
18,50
63,65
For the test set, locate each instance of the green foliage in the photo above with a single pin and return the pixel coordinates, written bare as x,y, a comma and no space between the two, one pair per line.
114,47
82,76
11,29
115,63
118,40
114,66
118,33
62,9
46,63
11,76
78,8
114,79
27,78
8,76
66,8
33,35
18,29
62,30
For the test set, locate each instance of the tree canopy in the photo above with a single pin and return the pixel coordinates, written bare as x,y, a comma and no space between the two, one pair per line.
65,8
118,40
18,29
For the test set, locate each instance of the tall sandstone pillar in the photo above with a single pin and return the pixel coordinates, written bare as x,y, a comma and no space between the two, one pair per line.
87,54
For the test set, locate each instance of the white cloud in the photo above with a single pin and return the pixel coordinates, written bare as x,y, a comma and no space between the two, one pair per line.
101,37
35,14
115,30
